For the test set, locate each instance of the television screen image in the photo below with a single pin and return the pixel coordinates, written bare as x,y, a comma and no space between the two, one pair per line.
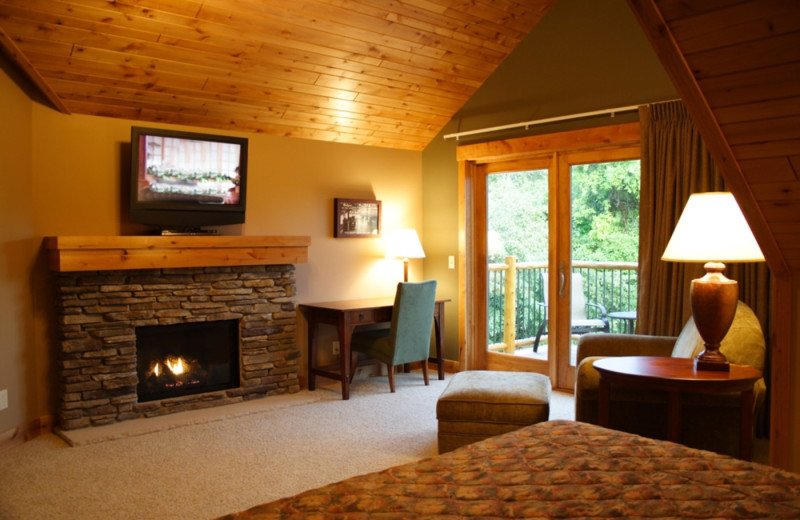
205,172
184,179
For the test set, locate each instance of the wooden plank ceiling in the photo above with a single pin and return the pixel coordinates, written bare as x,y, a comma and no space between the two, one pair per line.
387,73
736,64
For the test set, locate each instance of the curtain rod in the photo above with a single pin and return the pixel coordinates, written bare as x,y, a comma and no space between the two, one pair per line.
526,124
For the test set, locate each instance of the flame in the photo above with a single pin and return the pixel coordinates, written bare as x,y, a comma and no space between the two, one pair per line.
176,366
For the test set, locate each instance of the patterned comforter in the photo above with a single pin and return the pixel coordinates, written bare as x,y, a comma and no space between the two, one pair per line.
558,469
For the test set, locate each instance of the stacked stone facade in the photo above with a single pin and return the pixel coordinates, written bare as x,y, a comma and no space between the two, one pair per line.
99,311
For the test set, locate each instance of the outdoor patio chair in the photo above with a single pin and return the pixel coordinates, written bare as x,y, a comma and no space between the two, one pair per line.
581,323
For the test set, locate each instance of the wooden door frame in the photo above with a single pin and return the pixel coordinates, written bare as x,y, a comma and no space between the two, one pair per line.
565,375
474,161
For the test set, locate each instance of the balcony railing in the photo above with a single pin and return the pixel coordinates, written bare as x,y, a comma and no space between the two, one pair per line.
516,297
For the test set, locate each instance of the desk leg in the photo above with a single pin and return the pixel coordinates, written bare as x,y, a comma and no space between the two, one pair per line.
312,351
603,394
345,333
674,417
746,431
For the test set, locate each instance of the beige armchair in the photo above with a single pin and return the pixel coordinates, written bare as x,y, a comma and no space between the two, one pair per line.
708,422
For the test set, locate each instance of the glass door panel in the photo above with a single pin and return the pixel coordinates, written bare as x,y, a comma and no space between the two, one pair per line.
519,234
517,256
604,249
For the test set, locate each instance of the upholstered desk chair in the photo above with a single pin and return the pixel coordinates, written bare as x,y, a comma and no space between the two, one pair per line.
408,339
709,422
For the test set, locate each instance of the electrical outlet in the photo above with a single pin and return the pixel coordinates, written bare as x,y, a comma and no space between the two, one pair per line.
335,348
451,262
3,399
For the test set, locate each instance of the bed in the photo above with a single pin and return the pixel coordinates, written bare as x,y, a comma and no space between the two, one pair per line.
556,469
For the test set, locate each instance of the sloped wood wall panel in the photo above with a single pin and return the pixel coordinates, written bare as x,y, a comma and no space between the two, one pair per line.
736,65
745,57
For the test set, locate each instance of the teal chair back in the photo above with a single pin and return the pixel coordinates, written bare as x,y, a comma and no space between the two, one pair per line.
408,338
412,322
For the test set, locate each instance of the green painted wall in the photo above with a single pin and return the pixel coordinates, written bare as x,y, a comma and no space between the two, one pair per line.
585,55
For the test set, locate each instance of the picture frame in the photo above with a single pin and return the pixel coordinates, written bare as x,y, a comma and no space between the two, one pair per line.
356,218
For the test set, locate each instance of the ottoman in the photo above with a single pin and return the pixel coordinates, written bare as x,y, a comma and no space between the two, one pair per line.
481,403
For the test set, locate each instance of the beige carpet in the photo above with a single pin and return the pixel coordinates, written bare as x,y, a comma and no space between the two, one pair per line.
201,465
86,436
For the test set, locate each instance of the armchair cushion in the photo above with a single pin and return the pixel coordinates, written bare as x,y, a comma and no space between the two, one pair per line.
688,343
744,343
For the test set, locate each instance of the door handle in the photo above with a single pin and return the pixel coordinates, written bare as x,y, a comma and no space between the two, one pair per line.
562,280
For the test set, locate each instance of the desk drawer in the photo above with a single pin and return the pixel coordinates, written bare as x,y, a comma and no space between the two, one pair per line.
363,316
374,315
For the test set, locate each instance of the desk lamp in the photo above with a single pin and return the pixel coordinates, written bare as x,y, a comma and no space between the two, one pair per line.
405,244
713,230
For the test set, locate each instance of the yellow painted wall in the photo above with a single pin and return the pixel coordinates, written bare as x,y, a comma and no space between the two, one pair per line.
78,162
20,363
62,175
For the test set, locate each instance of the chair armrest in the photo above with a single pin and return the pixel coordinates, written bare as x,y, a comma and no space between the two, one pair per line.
605,345
601,308
594,346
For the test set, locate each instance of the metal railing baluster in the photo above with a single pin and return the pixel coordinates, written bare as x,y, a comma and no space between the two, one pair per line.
612,284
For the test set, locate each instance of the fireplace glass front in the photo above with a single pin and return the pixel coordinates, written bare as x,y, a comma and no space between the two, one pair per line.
187,358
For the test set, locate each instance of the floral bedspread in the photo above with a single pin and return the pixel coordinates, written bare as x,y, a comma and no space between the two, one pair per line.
558,469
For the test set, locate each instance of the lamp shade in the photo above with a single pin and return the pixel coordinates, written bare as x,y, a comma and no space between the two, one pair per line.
712,228
404,243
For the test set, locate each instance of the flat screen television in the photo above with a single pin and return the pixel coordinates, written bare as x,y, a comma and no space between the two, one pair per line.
182,181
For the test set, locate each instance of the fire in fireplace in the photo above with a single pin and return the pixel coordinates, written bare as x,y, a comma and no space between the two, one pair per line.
174,372
187,358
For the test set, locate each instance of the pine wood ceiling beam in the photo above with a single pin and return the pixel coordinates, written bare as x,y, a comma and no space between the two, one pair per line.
11,49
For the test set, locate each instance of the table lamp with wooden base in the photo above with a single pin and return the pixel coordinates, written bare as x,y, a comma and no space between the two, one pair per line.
712,229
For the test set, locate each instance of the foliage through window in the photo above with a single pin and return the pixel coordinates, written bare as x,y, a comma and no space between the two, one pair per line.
605,229
605,211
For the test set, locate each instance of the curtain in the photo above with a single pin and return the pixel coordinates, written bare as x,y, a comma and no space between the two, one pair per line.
674,164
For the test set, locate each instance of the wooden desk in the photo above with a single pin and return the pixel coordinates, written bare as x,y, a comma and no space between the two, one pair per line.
676,376
346,316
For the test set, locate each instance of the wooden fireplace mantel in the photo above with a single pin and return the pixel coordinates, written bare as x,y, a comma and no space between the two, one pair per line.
111,253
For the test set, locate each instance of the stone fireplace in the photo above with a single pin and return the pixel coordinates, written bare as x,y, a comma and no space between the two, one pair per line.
100,311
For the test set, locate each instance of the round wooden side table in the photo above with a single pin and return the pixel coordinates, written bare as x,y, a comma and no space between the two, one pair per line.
676,376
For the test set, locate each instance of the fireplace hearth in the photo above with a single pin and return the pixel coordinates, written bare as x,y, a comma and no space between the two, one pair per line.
104,316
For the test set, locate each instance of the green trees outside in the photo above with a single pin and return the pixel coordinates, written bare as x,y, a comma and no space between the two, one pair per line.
605,228
605,213
517,216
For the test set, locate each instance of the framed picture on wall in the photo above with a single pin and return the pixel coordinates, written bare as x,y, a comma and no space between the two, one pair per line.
356,218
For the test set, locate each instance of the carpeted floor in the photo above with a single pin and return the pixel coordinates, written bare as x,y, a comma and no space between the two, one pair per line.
201,465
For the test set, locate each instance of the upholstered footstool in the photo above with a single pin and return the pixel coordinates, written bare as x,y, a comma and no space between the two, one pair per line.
478,404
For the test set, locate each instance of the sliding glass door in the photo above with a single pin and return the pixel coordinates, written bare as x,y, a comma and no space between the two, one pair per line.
541,225
598,288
